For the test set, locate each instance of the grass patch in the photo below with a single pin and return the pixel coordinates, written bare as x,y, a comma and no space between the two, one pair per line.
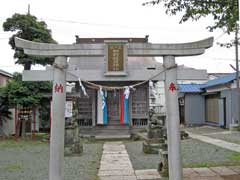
19,143
235,157
13,168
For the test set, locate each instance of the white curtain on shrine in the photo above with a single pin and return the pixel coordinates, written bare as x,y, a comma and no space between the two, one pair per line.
99,108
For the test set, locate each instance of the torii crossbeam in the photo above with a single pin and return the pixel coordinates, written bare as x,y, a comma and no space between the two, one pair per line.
61,52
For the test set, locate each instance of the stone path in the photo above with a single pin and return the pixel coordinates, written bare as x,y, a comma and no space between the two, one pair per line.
216,142
116,165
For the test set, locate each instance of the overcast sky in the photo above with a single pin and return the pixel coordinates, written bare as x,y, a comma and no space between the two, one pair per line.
117,18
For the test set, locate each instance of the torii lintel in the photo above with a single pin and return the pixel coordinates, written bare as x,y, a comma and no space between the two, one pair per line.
134,49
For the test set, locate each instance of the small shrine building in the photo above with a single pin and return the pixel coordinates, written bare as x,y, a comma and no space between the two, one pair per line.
116,97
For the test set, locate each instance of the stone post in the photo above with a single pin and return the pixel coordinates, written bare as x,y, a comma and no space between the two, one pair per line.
172,121
56,162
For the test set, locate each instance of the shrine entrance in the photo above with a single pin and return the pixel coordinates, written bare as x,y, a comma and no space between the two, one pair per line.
116,67
113,104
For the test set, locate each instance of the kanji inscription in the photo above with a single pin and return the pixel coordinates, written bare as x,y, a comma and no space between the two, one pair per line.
115,57
172,87
58,88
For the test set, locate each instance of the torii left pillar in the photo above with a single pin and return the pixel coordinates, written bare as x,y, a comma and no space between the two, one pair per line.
56,162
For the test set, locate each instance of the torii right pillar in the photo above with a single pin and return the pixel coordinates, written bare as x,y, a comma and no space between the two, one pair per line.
173,122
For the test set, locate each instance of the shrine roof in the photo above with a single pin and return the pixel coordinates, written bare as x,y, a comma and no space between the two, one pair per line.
101,40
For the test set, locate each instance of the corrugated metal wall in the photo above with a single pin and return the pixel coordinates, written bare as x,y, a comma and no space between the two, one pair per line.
212,108
194,109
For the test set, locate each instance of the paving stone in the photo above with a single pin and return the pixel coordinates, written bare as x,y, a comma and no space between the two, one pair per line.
235,169
115,163
116,173
231,177
204,172
223,170
110,167
115,155
117,178
189,172
115,152
205,178
147,174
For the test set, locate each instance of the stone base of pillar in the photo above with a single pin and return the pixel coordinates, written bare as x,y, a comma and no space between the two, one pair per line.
152,146
163,165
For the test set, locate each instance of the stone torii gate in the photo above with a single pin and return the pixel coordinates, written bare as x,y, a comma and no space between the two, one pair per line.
58,76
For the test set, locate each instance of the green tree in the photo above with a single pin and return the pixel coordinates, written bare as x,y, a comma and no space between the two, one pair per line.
224,12
28,27
26,94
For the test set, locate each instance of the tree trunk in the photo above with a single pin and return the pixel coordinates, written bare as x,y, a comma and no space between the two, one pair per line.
27,66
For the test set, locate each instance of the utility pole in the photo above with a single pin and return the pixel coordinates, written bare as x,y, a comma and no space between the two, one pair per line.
28,9
237,67
237,72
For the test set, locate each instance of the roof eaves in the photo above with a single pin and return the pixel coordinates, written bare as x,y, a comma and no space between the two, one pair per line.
219,81
6,73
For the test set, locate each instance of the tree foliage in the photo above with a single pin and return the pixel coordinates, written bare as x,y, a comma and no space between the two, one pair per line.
26,94
224,12
28,27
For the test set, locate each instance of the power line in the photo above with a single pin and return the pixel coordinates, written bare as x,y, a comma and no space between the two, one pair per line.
99,24
220,36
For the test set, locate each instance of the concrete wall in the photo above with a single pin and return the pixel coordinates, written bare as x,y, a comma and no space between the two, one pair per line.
194,109
8,127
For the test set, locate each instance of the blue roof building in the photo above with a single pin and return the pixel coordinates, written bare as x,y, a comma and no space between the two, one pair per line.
214,102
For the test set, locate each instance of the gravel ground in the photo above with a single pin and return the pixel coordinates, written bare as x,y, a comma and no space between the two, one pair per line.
139,159
234,137
195,154
28,160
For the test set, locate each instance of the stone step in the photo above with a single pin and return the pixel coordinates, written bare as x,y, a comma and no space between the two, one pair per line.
111,126
114,137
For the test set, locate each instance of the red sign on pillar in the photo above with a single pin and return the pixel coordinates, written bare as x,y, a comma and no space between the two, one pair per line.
58,88
172,87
